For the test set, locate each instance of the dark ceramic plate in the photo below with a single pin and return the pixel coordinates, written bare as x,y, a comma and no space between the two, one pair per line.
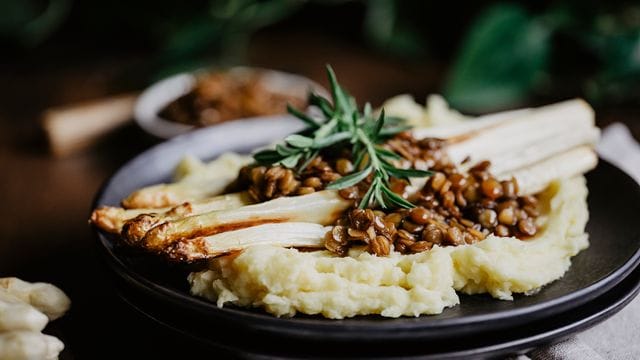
614,203
489,344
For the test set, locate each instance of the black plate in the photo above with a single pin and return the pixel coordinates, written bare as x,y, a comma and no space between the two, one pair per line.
614,203
228,342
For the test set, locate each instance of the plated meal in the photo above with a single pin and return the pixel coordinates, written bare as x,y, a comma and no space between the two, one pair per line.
366,213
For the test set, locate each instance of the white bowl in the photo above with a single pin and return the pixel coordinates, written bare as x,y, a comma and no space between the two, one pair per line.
156,97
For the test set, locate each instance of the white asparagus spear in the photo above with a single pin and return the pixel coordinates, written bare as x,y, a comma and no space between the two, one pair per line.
200,181
16,314
112,219
512,143
322,207
289,234
543,149
536,177
27,345
533,177
533,127
45,297
468,127
163,195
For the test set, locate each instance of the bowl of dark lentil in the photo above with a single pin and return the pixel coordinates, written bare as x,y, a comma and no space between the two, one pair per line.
209,97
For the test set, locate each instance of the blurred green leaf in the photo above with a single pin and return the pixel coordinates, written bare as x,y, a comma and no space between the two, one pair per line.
188,40
221,34
616,43
15,13
252,14
503,55
31,22
386,29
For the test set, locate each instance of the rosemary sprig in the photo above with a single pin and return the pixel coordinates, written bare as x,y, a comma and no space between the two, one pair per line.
344,124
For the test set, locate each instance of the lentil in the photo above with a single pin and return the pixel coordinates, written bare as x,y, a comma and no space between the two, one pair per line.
452,208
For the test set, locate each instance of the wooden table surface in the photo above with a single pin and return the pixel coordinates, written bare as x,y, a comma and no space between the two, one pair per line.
44,234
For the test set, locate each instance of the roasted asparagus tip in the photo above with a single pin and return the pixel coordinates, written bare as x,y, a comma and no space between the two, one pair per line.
113,220
133,231
106,218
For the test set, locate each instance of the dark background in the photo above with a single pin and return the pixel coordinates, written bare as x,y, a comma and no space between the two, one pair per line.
85,50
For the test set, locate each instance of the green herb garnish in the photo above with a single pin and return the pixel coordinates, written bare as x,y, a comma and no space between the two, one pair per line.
343,123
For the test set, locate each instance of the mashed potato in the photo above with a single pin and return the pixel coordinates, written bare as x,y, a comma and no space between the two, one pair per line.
436,112
286,281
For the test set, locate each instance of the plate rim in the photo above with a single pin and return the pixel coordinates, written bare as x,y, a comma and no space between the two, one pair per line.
624,293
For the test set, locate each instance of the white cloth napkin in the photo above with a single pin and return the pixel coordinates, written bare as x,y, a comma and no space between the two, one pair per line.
618,146
617,338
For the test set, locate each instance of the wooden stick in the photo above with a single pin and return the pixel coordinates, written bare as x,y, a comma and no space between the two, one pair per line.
73,128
